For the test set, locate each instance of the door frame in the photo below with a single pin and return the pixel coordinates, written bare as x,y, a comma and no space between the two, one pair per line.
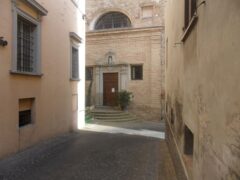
118,79
123,80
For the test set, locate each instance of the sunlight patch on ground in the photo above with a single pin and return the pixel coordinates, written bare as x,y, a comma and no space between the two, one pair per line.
115,130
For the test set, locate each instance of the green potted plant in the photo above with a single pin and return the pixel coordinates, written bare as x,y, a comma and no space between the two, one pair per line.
124,99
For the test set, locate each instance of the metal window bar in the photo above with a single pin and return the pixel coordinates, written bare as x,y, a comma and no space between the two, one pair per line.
25,117
25,45
137,72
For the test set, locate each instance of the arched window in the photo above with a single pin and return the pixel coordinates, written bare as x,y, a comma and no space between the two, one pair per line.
113,20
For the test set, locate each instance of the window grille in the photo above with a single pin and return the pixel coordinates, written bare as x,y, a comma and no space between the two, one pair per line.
136,72
75,64
89,73
25,117
113,20
25,45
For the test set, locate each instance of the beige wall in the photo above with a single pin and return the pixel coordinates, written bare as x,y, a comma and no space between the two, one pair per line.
53,92
143,43
203,84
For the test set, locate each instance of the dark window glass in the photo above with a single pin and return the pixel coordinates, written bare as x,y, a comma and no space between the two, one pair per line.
25,45
89,73
190,9
186,13
193,7
25,118
136,72
75,63
188,141
113,20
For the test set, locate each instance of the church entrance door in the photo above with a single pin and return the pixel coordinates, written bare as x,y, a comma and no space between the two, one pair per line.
110,89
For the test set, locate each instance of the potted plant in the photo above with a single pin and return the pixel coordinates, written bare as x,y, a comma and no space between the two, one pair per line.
124,99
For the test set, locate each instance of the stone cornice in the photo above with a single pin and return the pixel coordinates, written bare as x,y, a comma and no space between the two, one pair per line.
125,30
38,7
74,36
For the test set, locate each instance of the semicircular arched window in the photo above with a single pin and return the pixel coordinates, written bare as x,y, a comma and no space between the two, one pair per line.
113,20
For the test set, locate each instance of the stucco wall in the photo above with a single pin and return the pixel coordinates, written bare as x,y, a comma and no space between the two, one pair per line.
202,85
53,92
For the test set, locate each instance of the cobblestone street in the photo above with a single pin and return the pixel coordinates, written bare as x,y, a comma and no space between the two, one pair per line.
89,155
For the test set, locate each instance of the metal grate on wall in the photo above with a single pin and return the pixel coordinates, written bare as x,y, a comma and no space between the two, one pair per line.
136,72
25,118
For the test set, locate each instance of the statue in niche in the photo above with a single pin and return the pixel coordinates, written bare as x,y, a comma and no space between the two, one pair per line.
110,60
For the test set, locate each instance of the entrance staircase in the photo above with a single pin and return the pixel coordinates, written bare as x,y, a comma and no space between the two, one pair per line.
111,115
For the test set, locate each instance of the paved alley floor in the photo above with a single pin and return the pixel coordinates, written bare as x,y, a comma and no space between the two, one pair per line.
137,125
89,155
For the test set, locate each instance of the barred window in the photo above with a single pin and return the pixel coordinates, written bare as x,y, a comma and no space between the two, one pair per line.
136,72
75,64
26,109
89,73
26,43
25,118
113,20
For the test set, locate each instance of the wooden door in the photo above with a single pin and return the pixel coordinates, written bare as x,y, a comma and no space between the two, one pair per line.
110,89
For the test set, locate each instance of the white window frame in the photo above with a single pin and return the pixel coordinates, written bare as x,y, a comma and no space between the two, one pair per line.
37,60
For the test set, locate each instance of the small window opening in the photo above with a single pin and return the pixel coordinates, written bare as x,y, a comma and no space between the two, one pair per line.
25,111
190,9
89,73
136,72
172,116
188,141
75,64
25,117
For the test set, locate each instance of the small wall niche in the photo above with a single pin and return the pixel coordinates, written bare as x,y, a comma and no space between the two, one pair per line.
188,141
147,11
26,111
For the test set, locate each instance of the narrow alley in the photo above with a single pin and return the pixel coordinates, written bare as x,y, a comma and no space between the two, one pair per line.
94,155
119,90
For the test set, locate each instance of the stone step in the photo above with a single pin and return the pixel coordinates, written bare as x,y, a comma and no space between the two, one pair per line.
117,120
110,117
109,112
113,116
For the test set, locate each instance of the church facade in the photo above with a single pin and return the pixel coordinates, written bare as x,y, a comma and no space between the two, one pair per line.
125,51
